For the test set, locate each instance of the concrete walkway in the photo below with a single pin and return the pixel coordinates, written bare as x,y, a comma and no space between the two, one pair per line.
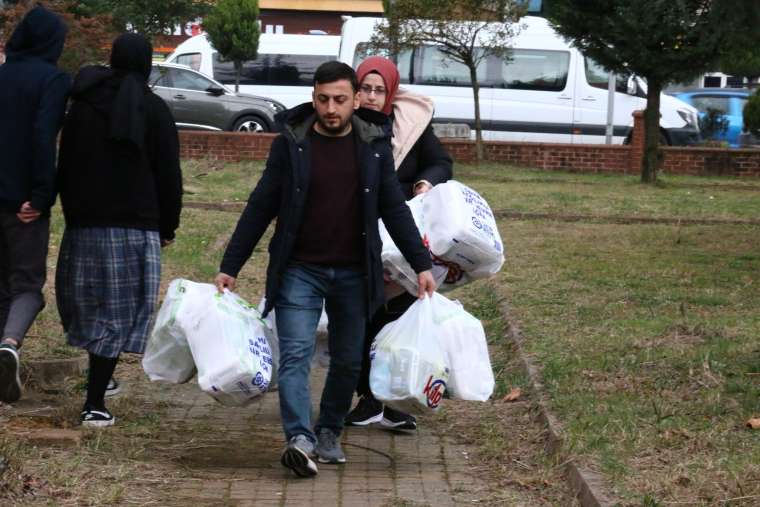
233,458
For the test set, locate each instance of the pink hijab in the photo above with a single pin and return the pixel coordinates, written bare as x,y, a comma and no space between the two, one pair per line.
388,71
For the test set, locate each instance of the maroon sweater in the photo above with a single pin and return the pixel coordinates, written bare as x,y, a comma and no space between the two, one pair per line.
330,232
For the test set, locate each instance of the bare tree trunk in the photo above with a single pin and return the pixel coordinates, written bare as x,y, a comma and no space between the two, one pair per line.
650,165
238,71
478,125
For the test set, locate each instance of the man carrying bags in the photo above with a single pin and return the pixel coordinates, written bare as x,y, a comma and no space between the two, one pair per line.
329,178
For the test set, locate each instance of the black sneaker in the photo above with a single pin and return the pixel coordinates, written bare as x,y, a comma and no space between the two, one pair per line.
328,448
10,383
113,388
396,420
297,456
366,412
97,418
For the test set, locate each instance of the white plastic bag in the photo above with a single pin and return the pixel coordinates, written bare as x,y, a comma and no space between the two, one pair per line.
461,230
463,340
229,344
167,355
408,369
270,329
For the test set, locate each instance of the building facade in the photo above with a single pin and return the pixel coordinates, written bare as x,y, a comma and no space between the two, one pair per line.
313,16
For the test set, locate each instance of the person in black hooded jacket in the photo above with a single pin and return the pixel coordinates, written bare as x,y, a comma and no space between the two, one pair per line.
32,102
121,189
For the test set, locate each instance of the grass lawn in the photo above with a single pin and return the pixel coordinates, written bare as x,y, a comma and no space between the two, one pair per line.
647,334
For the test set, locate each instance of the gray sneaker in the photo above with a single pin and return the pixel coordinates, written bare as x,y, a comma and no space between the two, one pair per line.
297,456
328,447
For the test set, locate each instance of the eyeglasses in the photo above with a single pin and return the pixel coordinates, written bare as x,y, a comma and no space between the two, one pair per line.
367,89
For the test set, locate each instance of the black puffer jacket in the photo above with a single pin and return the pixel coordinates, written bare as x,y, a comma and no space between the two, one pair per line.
281,193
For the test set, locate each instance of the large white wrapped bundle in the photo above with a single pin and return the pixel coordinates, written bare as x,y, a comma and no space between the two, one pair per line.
408,369
461,230
167,355
459,227
463,341
229,343
394,263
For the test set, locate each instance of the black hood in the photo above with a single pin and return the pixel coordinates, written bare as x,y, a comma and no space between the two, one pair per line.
97,85
121,90
40,35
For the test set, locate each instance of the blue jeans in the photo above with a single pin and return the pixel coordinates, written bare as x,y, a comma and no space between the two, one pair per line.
303,290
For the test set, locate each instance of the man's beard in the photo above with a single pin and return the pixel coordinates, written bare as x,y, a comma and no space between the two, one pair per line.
333,130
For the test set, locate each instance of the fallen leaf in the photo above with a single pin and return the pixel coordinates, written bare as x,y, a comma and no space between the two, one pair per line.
514,394
754,423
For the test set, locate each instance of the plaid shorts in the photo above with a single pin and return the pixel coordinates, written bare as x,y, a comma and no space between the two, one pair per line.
107,284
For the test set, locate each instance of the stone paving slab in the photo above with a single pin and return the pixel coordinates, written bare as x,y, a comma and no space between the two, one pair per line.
233,456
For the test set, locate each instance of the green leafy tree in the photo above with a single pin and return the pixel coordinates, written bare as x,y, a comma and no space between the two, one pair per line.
752,115
233,30
713,123
740,55
87,42
466,31
664,41
148,17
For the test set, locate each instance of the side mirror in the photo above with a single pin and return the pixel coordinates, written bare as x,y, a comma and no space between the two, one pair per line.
632,88
215,91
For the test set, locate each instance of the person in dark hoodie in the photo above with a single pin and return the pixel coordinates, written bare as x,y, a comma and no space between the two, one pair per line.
121,190
32,103
328,180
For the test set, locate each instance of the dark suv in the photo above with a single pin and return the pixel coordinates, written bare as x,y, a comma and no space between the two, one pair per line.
200,103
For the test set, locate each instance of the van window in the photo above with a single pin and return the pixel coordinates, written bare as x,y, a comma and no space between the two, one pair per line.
403,62
272,69
433,67
597,77
192,60
535,69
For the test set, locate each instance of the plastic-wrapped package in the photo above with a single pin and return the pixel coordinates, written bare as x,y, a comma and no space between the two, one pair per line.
408,369
219,334
167,354
461,230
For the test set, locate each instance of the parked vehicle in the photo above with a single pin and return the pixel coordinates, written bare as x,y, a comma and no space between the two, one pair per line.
545,91
283,70
728,101
200,103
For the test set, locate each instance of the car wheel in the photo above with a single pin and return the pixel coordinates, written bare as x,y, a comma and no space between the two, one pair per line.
250,124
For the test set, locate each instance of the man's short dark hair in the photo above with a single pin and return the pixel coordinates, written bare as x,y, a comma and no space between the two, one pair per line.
332,71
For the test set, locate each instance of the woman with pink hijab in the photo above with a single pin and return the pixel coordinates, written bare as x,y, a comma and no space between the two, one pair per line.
421,163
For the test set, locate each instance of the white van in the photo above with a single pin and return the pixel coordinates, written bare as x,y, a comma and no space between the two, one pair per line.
283,70
546,91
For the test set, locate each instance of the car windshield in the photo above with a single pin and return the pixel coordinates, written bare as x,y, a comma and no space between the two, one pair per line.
712,103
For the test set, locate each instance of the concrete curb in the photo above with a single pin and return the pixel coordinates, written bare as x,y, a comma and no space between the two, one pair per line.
586,485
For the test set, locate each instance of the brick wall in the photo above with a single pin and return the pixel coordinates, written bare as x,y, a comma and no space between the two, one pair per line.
711,161
550,156
571,157
231,146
